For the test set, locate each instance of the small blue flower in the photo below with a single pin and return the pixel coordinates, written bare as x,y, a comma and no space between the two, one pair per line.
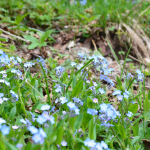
32,129
102,77
129,76
107,125
75,99
101,90
42,133
138,71
19,59
92,111
37,138
45,107
104,145
120,97
5,129
79,66
125,95
2,121
63,100
77,111
14,95
118,92
26,121
83,2
98,146
89,143
1,95
71,105
42,61
28,64
19,146
140,77
58,89
73,64
41,119
129,114
103,107
59,71
52,119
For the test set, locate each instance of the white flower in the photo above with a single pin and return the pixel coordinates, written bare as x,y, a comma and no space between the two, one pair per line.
15,127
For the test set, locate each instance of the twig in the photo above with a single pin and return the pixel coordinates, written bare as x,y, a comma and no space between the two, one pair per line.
136,59
147,86
14,36
94,45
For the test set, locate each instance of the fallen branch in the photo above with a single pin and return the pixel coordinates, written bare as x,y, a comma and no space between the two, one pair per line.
14,36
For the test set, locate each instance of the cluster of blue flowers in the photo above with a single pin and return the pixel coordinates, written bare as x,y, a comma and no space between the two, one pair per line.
45,115
119,96
83,2
29,64
59,71
6,61
96,146
107,113
140,75
38,135
42,61
73,107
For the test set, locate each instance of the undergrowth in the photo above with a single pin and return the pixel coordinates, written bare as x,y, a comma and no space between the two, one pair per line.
46,14
76,112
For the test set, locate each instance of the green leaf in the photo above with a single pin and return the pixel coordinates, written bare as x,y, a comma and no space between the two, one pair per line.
74,81
19,18
71,124
113,52
119,82
78,121
136,139
58,126
10,146
31,38
33,45
122,131
133,108
92,129
35,106
59,135
135,129
13,112
77,89
146,105
86,119
45,36
130,84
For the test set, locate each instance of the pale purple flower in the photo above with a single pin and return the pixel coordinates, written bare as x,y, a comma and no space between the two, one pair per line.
64,143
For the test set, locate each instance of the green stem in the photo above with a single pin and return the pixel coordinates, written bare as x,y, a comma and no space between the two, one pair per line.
22,104
47,90
122,144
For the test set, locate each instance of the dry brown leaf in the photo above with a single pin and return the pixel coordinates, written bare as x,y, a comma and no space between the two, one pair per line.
138,44
146,143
